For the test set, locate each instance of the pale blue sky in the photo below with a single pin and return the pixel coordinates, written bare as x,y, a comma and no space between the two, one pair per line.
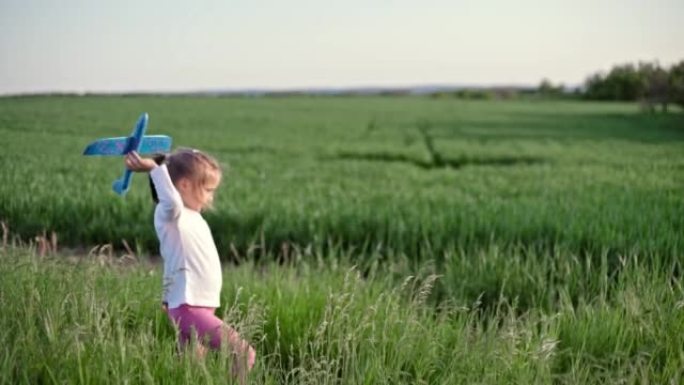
89,45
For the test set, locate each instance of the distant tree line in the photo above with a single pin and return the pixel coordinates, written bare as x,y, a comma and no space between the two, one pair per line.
648,83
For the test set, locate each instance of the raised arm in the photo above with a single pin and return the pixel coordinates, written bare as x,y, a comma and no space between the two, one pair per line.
170,201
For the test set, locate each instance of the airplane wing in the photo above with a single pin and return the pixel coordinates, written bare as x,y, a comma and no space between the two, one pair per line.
118,146
108,146
155,143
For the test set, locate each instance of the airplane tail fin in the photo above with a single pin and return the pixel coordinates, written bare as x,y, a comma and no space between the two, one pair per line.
120,186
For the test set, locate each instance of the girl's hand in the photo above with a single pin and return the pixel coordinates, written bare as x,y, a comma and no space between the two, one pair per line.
135,163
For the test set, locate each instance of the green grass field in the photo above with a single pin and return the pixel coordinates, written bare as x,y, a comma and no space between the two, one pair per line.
381,240
356,172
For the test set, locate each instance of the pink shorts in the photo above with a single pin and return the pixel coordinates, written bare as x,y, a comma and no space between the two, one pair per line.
197,319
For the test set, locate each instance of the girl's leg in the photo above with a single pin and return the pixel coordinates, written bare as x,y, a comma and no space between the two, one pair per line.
213,331
243,354
195,323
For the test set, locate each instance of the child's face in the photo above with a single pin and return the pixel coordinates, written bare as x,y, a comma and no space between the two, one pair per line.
198,197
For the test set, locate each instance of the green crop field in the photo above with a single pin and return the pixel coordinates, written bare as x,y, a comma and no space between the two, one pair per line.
366,240
409,176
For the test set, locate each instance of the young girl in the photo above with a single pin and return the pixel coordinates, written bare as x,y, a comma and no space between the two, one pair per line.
183,184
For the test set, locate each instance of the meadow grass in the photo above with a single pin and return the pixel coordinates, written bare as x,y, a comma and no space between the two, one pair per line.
96,319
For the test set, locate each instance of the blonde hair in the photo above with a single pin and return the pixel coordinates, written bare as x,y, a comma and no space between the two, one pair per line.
190,164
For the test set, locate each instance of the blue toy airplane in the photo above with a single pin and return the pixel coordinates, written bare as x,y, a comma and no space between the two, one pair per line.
138,141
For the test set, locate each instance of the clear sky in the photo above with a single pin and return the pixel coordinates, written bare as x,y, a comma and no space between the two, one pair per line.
169,45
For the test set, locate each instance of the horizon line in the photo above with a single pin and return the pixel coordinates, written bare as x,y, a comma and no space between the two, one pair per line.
416,89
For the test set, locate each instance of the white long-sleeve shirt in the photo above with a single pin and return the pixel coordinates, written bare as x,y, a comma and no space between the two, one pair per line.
192,270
